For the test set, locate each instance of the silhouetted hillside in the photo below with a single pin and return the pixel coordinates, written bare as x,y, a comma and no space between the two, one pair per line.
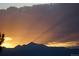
33,49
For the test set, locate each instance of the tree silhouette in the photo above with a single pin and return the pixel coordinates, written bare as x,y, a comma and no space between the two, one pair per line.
1,40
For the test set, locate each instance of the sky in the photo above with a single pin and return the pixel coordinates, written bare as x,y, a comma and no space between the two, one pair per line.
7,5
48,24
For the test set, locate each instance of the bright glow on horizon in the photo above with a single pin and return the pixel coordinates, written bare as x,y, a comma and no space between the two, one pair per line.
8,38
6,43
61,44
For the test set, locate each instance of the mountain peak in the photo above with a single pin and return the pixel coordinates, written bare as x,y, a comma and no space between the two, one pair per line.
32,43
35,45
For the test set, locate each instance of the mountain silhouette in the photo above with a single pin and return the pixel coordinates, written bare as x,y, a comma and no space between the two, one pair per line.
35,46
34,49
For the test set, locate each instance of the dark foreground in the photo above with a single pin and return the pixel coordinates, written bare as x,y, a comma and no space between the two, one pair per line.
33,49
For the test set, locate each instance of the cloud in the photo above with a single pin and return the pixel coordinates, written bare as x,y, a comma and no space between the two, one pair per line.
62,44
41,23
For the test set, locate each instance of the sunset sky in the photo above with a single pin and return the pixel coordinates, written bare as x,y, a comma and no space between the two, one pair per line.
48,24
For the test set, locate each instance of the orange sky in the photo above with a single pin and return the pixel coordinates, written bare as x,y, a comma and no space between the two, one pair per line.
39,24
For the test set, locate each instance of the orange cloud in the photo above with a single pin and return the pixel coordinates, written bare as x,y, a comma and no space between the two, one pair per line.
62,44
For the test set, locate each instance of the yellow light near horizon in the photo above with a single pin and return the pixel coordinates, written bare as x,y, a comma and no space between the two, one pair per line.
7,44
61,44
8,38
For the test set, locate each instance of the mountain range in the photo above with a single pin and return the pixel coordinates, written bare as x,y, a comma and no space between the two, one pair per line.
34,49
